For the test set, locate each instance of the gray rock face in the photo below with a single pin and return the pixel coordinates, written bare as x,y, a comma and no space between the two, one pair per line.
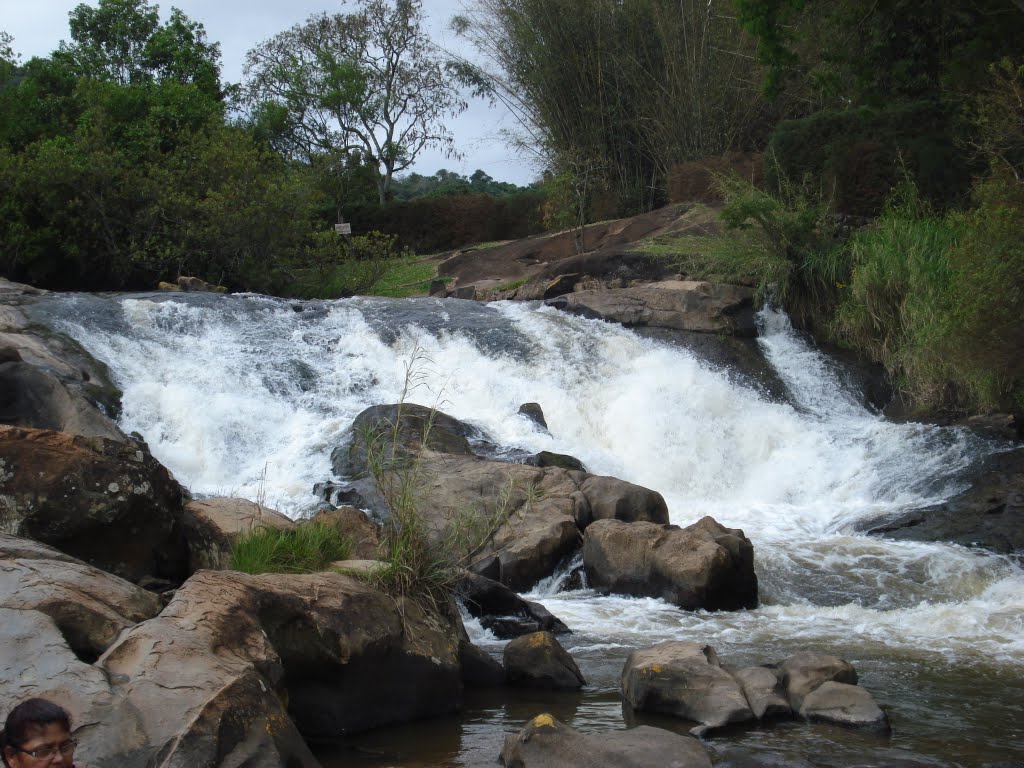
843,704
90,607
685,680
479,669
990,514
71,491
35,660
539,661
546,742
614,499
213,525
702,566
681,304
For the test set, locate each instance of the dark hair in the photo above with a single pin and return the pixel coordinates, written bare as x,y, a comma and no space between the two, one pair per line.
29,716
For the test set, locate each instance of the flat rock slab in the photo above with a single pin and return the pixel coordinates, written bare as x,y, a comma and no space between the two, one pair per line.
546,742
686,305
843,704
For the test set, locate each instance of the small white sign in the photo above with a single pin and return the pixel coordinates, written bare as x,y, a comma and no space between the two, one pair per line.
343,229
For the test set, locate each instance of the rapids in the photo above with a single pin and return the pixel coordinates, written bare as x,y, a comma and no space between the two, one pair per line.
247,395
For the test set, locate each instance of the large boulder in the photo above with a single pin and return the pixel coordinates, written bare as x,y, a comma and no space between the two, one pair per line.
686,305
764,691
236,666
35,660
107,502
539,661
91,608
612,499
502,611
702,566
686,680
212,526
546,742
530,517
989,514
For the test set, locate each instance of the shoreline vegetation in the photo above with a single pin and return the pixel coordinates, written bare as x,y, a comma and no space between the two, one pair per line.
870,165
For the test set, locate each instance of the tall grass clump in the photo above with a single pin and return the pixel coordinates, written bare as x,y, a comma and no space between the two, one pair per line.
937,299
307,548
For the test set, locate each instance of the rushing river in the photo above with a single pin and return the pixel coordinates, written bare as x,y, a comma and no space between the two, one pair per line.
247,396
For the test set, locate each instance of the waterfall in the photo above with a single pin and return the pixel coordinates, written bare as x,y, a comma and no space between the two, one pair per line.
246,395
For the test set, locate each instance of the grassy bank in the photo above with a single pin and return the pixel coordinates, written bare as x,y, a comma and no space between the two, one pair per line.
937,298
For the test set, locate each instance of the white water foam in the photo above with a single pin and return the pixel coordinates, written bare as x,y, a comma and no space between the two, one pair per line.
249,397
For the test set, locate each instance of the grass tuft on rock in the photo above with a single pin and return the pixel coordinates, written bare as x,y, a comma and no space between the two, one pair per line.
307,548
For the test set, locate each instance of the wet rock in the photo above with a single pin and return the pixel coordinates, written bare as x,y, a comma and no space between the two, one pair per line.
539,661
549,459
843,704
210,675
479,668
764,692
503,611
546,742
212,526
803,673
90,607
196,285
682,304
702,566
613,499
685,680
534,413
990,514
106,502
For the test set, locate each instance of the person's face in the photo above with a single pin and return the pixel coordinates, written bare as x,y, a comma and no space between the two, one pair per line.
49,746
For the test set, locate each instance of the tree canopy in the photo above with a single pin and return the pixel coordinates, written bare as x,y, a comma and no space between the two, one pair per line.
366,82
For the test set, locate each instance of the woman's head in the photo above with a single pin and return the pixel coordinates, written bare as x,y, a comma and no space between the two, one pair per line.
37,734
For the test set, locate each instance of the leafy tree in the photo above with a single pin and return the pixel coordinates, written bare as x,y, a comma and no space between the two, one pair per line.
123,41
366,81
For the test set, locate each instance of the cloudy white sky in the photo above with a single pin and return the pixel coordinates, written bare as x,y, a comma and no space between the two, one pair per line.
39,25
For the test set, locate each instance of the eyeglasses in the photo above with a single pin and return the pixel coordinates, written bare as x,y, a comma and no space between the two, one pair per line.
45,753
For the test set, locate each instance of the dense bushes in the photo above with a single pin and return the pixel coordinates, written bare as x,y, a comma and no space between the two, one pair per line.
428,225
859,155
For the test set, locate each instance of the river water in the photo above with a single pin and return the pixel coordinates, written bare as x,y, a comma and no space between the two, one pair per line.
247,396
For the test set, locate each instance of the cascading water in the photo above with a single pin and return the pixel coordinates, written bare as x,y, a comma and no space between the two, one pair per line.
247,395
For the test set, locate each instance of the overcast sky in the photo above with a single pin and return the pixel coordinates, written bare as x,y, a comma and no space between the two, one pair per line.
39,25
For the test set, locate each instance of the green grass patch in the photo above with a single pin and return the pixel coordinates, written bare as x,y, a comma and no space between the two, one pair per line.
307,548
405,277
511,285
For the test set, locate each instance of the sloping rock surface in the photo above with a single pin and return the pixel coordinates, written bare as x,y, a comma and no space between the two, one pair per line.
539,661
213,525
681,304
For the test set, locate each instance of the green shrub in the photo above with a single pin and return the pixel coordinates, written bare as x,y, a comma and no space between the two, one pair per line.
860,155
307,548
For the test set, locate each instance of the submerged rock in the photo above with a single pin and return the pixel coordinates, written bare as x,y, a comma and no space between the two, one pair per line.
990,514
702,566
546,742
